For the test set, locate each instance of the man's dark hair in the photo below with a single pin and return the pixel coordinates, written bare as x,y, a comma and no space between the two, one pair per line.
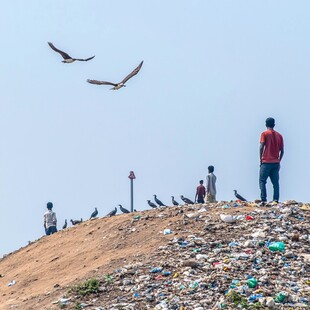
270,122
201,181
210,169
49,205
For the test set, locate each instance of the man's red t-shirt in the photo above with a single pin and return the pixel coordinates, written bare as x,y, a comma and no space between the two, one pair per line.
273,144
201,191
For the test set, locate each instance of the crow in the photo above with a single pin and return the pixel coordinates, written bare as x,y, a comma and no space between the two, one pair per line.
186,200
239,196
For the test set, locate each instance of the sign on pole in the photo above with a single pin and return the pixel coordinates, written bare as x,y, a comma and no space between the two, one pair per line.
131,175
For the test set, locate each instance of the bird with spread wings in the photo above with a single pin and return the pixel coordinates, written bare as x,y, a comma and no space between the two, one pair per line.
67,58
121,84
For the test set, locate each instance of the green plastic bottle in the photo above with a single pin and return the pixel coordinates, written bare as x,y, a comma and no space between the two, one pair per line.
277,246
252,282
281,297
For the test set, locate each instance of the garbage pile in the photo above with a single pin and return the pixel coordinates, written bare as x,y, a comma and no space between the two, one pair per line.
219,256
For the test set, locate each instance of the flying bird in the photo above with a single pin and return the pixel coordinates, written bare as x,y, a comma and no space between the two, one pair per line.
112,213
175,203
65,225
158,201
75,222
94,214
67,59
123,209
186,200
239,196
121,84
151,204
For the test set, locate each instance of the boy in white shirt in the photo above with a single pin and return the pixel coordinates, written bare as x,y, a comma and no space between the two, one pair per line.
50,220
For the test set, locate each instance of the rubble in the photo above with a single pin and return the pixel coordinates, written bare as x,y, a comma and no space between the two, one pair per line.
259,259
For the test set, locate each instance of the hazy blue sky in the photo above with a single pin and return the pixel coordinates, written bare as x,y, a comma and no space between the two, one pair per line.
213,72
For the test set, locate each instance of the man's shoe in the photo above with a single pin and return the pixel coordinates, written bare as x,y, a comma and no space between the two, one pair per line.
262,204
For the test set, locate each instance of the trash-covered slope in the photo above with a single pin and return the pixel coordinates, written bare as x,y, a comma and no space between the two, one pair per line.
189,257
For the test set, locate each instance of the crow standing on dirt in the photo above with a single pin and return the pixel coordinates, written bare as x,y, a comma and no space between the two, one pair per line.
186,200
65,224
112,213
75,222
151,204
94,214
239,196
123,209
175,203
159,202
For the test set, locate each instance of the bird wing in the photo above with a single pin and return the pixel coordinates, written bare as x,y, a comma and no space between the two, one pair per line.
79,59
100,82
124,209
63,54
94,214
240,197
111,213
158,201
133,73
188,201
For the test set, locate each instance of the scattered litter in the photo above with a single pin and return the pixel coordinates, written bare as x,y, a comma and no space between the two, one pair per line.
12,283
227,218
262,261
167,231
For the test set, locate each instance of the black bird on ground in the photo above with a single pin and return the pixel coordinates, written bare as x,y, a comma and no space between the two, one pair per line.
75,222
112,213
158,201
67,59
123,209
120,84
239,196
65,224
94,214
151,204
186,200
175,203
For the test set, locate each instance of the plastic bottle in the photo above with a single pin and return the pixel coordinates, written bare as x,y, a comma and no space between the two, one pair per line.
276,246
156,269
254,297
281,297
252,282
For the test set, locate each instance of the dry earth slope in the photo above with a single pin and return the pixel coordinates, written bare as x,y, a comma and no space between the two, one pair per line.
45,269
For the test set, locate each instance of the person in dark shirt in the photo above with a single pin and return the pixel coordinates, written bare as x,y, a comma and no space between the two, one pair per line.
270,153
200,193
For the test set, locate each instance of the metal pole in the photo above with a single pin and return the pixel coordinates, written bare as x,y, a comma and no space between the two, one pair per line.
131,177
131,190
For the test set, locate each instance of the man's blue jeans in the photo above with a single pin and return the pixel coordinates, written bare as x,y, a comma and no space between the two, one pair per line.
270,170
51,230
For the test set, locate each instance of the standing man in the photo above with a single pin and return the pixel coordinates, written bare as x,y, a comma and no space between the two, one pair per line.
200,193
270,153
211,188
50,220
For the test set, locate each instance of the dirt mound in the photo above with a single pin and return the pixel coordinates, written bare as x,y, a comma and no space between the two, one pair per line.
48,266
45,270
